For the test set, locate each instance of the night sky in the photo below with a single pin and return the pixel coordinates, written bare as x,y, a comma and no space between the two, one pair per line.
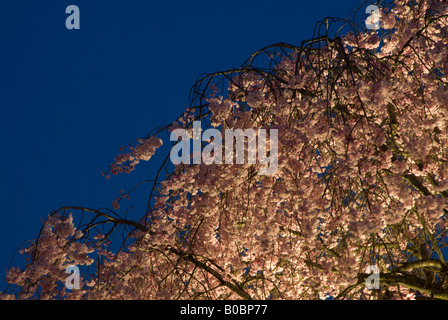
70,98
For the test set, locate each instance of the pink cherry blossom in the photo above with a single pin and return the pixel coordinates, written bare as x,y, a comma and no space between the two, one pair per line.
362,180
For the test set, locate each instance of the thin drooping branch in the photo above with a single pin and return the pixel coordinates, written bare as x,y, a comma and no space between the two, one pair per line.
189,257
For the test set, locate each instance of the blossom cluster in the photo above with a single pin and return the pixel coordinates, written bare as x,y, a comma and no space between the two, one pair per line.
362,179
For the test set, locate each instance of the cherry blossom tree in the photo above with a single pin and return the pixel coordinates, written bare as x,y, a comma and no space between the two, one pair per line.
362,180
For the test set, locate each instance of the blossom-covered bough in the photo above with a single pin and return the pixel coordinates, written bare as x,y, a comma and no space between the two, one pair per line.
362,180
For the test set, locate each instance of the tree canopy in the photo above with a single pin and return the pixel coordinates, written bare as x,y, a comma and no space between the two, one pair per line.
362,180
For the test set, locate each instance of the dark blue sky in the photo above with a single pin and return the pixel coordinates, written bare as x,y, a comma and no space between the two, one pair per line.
70,98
